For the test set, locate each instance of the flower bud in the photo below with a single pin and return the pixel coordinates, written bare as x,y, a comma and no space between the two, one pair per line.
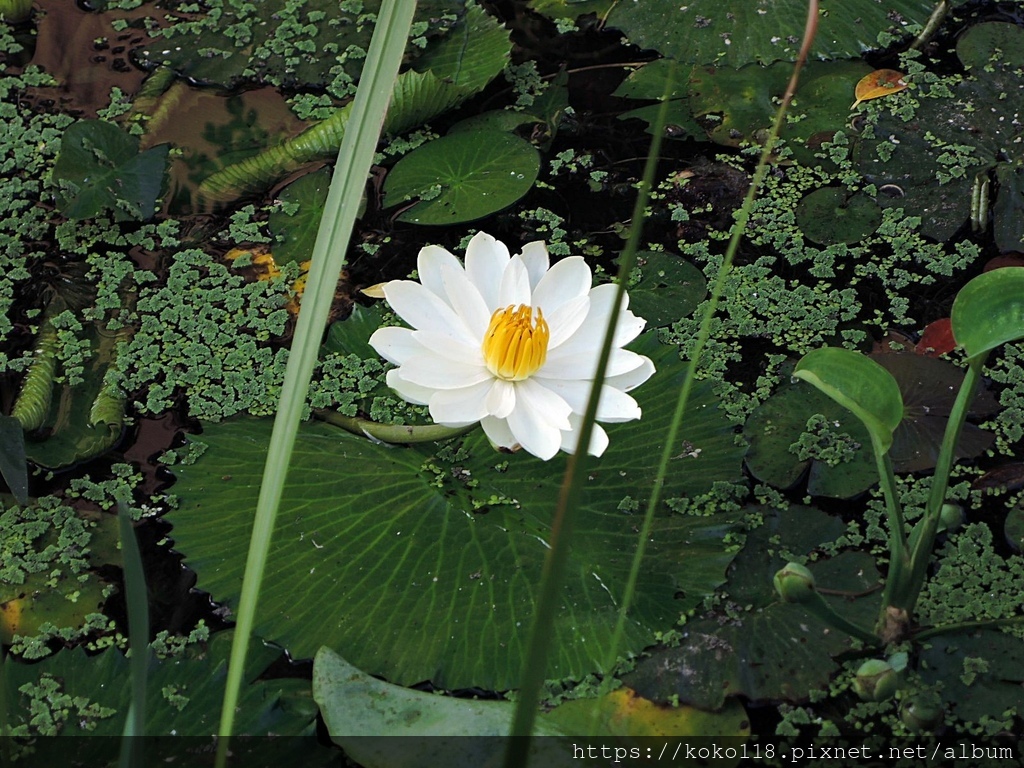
951,517
876,680
922,712
794,583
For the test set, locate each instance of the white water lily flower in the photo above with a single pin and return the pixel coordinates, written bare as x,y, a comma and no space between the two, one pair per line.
510,343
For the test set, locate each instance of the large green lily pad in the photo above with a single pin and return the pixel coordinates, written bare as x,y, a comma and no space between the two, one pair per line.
424,563
462,177
934,158
738,32
832,215
762,648
668,288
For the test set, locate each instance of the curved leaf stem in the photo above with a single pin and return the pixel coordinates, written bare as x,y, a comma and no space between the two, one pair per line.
399,434
962,626
923,537
820,608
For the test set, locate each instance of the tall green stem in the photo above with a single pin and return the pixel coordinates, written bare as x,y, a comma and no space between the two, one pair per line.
354,159
899,552
923,539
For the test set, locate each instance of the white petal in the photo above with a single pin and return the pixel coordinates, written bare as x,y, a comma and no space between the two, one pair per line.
501,399
566,320
634,378
583,364
486,259
566,280
613,406
394,344
533,433
466,300
426,311
449,348
550,408
515,284
429,264
571,438
602,299
535,257
498,432
409,392
457,407
430,371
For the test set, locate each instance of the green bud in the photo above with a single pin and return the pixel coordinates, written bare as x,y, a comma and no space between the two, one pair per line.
794,583
922,712
951,517
876,680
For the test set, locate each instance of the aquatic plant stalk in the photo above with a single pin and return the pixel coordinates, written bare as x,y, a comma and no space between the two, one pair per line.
703,333
137,602
923,538
354,159
557,559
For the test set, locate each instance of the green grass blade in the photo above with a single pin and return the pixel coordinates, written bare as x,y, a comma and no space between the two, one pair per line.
137,601
354,158
553,576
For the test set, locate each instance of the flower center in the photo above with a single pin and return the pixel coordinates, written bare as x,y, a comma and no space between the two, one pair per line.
516,344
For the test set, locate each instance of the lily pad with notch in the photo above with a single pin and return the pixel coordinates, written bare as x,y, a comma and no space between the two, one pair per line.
833,215
763,648
462,177
667,290
423,562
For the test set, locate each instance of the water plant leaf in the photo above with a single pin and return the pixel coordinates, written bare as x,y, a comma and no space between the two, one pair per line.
12,458
955,132
799,428
84,420
738,106
281,43
100,170
929,387
859,384
462,177
936,339
86,697
989,311
1013,527
981,673
359,710
832,215
422,562
881,82
668,289
735,32
760,647
296,220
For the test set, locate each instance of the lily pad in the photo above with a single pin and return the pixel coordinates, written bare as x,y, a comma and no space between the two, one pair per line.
462,177
358,710
738,32
981,672
668,289
832,215
100,170
282,43
936,156
799,428
296,221
73,694
424,563
765,649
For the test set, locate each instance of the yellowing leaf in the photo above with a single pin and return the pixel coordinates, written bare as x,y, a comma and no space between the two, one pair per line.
263,267
881,82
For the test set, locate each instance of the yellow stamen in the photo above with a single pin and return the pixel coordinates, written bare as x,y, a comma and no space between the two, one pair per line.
516,344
